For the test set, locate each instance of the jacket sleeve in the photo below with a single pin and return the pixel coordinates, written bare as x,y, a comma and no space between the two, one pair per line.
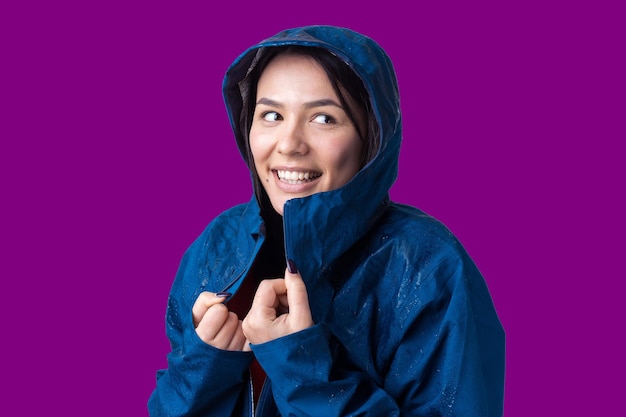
449,360
200,380
306,382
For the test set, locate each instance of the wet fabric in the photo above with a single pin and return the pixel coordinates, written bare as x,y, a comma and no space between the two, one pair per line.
405,324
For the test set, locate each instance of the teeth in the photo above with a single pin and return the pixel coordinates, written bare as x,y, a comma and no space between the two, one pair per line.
294,177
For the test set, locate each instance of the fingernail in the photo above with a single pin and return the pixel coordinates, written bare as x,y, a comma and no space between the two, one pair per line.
291,266
223,294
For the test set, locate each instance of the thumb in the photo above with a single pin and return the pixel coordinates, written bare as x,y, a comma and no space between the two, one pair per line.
297,297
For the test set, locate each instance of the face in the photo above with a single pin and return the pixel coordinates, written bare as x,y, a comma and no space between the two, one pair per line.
302,140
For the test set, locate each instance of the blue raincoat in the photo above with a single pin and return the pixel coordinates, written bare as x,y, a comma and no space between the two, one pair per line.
404,323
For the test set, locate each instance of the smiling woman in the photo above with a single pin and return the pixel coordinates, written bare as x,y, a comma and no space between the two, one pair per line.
320,296
302,140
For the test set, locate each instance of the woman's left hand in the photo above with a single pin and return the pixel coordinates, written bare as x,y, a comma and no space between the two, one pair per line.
280,307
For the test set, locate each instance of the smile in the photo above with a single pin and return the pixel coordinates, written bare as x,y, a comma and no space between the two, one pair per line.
296,177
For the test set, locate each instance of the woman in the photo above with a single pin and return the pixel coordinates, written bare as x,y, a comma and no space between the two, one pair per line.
333,299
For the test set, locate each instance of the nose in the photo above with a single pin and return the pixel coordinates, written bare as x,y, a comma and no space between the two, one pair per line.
292,140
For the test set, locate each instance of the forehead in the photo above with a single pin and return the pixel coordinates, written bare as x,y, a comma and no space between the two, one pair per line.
289,71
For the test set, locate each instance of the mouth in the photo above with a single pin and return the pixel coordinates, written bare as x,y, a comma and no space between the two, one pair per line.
297,177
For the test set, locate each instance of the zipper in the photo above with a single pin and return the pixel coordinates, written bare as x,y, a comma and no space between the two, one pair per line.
257,246
262,398
233,281
253,411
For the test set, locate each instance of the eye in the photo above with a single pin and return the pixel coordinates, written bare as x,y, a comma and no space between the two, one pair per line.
271,116
324,119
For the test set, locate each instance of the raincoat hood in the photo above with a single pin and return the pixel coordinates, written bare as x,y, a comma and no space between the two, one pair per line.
345,214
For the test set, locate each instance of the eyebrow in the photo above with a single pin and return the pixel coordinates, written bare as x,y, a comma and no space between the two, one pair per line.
309,105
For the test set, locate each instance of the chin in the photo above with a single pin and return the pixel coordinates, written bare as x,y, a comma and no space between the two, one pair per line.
278,206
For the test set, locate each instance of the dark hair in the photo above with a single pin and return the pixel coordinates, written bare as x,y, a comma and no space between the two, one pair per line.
343,80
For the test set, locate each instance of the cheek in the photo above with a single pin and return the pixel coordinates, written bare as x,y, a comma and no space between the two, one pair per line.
349,160
260,158
256,149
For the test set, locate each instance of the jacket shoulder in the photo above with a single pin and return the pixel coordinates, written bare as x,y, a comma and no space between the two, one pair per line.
414,227
422,243
229,221
431,254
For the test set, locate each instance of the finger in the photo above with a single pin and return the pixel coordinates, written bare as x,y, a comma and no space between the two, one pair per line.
227,336
238,340
204,301
246,346
259,321
211,323
268,294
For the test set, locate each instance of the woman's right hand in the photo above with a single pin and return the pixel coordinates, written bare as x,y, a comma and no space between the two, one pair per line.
216,325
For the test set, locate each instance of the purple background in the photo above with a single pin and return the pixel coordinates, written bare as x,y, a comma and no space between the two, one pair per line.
116,152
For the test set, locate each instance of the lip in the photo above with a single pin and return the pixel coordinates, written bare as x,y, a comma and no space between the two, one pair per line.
304,187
